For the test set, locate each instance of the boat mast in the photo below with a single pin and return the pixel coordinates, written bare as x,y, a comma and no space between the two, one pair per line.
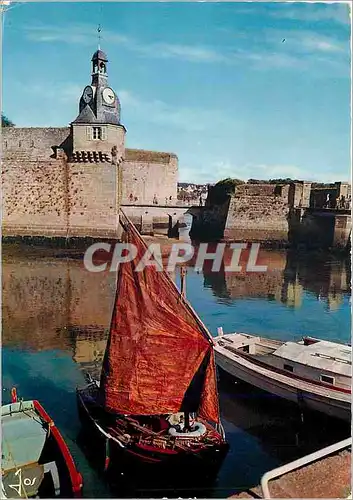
183,281
183,294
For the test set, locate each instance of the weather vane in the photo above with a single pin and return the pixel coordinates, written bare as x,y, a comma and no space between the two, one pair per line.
99,29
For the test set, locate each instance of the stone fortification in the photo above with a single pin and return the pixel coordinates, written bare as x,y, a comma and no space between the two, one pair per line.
33,143
258,212
71,181
279,214
149,177
46,195
46,192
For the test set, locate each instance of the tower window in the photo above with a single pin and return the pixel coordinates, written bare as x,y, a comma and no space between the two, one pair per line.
98,133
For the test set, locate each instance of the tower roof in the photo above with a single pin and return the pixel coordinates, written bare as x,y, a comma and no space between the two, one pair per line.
86,116
99,54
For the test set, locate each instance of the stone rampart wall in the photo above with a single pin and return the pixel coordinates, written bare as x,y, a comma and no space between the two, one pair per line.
46,195
32,143
149,182
258,212
56,198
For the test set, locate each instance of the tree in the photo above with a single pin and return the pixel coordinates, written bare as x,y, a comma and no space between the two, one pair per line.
230,182
6,122
221,191
287,180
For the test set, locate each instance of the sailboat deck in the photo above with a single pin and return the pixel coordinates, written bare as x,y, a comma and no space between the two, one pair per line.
145,431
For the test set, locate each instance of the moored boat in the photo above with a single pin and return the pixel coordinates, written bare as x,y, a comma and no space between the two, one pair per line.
36,461
314,373
155,409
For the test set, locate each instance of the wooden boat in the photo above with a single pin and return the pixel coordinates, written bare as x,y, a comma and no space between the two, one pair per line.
156,405
313,373
36,461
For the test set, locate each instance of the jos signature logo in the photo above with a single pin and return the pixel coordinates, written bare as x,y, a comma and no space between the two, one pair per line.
26,481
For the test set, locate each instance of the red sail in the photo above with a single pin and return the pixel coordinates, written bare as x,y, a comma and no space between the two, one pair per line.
157,347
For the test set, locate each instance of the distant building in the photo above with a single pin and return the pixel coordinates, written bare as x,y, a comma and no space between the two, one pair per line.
192,193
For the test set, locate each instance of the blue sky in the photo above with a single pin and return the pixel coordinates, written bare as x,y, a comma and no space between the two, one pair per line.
246,90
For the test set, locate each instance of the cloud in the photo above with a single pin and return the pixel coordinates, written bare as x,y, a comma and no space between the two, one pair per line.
191,119
320,57
62,92
82,34
335,12
222,169
265,48
192,53
307,41
270,60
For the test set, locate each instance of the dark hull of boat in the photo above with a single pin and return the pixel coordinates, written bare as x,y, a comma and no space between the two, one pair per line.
138,470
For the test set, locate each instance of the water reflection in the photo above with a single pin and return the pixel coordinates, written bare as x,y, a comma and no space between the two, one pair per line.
51,303
56,317
287,278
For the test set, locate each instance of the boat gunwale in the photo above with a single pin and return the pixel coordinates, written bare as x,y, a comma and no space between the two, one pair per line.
75,475
271,369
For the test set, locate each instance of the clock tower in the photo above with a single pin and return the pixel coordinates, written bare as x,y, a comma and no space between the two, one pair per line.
98,127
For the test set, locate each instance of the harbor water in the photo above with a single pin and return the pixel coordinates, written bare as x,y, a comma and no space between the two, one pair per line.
55,319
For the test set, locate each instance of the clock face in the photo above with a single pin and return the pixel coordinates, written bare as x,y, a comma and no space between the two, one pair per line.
108,95
87,94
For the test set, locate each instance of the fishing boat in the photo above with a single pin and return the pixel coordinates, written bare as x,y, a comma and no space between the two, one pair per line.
314,373
36,461
156,406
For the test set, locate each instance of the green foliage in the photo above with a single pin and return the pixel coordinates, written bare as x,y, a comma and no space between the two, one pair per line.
287,180
221,191
6,122
230,182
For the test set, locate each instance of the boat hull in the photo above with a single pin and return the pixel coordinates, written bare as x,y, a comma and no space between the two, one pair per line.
143,468
36,459
334,405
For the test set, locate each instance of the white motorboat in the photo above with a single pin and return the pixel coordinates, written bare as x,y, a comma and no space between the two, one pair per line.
313,373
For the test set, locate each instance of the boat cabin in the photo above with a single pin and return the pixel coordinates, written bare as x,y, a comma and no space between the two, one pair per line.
318,360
